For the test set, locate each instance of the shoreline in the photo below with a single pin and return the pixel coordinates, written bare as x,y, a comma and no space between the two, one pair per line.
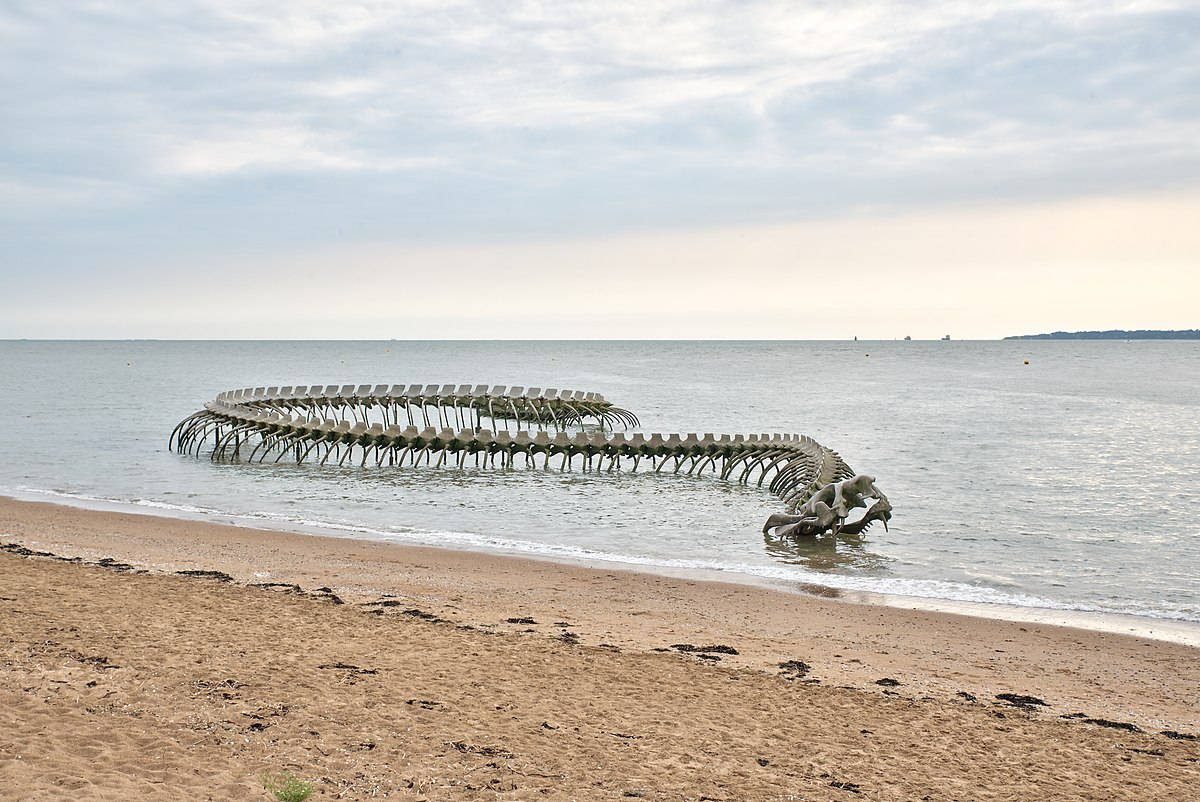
855,642
1180,631
157,658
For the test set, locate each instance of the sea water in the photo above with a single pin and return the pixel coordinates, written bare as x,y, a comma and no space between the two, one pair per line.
1052,475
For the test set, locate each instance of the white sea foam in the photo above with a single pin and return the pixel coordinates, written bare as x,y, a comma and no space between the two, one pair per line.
883,587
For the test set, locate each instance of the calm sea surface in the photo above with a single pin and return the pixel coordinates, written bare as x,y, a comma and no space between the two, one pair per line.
1071,482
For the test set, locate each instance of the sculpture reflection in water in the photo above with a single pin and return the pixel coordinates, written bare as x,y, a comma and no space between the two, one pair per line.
842,554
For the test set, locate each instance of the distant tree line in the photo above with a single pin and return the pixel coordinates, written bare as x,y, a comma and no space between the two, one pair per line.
1113,334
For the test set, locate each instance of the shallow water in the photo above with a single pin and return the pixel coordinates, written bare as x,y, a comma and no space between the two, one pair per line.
1070,482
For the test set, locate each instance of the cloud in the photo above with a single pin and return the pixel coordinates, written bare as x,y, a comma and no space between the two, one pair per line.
147,130
272,145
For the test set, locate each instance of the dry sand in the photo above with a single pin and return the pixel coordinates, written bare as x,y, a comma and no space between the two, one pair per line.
449,675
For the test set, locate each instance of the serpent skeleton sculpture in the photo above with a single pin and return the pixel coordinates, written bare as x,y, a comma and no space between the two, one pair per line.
398,423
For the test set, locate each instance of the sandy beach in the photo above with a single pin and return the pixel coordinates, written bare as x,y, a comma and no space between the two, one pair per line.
386,671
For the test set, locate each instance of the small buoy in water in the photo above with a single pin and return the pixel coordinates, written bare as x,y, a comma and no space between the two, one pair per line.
1026,361
866,354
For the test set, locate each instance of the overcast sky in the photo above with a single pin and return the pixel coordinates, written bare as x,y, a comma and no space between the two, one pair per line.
646,169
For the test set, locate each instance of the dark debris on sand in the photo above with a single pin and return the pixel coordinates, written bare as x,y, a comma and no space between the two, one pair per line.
327,594
284,586
794,669
96,661
23,551
413,612
487,751
1084,718
113,565
701,651
425,704
220,576
1113,725
348,667
1021,701
1179,736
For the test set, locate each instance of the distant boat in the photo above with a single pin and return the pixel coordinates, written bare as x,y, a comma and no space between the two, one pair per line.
908,336
947,337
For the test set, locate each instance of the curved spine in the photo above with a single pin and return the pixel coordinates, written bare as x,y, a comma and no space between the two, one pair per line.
330,422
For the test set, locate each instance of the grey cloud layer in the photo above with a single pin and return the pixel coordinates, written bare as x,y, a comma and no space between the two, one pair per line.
269,123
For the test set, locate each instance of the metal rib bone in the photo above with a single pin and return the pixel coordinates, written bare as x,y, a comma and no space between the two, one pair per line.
464,406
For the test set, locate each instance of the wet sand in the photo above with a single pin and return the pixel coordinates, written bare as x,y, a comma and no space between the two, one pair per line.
387,671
